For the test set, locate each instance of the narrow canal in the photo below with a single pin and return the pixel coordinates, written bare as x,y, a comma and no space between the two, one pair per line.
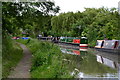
90,63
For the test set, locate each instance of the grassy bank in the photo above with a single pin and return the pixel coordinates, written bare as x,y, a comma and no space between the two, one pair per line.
47,60
11,54
0,54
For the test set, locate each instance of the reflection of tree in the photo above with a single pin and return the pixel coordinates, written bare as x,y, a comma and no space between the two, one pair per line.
90,64
72,61
87,64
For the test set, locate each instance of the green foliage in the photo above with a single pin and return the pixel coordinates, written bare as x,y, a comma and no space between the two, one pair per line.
26,17
47,60
23,41
0,53
11,54
93,23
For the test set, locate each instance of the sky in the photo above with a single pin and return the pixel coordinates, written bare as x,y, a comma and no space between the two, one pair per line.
79,5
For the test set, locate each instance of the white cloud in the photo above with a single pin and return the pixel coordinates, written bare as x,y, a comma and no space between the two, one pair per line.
78,5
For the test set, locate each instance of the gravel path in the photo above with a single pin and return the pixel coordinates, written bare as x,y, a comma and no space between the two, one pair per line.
23,67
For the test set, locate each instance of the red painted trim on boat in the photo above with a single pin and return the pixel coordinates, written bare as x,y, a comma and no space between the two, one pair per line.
83,46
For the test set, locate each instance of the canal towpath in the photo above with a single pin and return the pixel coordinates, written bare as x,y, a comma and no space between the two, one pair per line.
22,70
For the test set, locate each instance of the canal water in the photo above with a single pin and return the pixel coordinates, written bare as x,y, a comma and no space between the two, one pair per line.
90,63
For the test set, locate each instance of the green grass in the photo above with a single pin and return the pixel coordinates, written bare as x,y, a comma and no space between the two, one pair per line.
0,55
47,60
11,54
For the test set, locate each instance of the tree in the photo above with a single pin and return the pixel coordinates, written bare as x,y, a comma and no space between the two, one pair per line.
24,16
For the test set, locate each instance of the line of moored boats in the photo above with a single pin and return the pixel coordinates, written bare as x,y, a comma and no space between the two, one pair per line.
102,45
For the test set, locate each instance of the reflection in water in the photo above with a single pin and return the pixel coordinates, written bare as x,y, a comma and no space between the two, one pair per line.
85,64
83,49
70,51
107,62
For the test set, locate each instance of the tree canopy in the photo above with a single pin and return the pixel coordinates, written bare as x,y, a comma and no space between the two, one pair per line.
93,23
32,18
39,18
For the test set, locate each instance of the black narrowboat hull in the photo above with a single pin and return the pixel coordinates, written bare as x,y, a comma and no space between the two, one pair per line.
116,51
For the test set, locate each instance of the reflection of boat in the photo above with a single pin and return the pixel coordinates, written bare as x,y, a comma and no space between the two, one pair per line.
108,46
70,51
73,51
82,66
83,49
107,62
76,52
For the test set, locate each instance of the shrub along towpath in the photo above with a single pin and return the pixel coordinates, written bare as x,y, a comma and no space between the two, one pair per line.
23,67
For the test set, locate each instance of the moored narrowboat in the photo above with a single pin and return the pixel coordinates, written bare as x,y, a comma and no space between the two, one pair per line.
76,40
99,43
112,46
83,43
69,39
62,39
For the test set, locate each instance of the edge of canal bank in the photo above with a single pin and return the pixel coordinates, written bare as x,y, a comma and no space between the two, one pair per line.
23,67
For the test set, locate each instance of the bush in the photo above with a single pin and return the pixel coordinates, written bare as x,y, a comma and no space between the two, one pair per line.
47,60
11,54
